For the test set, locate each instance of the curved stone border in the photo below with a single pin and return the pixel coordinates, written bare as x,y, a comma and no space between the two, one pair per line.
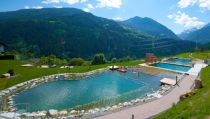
148,110
12,91
91,113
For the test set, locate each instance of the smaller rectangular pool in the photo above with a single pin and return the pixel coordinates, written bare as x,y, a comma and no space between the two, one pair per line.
172,67
180,60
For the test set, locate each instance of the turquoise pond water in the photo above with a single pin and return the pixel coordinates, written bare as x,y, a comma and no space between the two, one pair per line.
180,60
107,88
172,67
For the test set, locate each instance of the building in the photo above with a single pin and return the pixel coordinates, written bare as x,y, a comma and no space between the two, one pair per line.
151,58
2,47
3,55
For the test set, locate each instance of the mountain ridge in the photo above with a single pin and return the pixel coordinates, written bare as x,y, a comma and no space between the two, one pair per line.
200,35
70,32
150,26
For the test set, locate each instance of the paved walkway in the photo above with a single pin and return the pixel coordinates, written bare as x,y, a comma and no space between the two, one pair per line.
197,68
153,108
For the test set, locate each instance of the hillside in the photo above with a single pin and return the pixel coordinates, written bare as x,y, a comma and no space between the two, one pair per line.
70,32
207,45
201,35
185,33
151,27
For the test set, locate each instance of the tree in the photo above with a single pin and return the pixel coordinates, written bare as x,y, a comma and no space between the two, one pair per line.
197,49
76,62
99,59
128,58
43,60
29,55
52,60
114,60
11,72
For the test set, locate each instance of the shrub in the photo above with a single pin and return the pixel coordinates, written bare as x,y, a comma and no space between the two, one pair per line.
51,60
86,63
99,59
11,72
114,60
128,58
76,62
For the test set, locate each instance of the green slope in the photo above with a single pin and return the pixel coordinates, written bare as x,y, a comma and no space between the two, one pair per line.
201,35
196,107
69,32
150,27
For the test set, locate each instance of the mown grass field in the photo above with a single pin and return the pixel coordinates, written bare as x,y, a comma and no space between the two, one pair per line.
199,55
27,73
196,107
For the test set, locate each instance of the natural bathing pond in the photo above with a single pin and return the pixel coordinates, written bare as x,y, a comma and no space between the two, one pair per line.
104,89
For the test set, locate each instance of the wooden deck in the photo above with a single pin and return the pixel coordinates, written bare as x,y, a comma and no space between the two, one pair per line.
168,81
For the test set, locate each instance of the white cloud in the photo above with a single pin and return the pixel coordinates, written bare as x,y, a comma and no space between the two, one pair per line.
83,1
109,3
185,20
70,1
86,10
27,7
51,1
186,3
205,4
201,3
118,19
63,1
170,16
90,6
99,3
58,6
37,7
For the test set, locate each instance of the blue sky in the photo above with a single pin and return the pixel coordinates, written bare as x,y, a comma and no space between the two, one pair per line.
178,15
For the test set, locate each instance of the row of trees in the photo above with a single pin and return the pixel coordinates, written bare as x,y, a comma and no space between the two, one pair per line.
52,60
97,60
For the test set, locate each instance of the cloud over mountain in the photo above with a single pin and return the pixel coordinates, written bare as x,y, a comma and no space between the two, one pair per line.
109,3
182,18
63,1
201,3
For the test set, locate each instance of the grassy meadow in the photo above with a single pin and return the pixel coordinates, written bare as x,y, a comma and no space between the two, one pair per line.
27,73
199,55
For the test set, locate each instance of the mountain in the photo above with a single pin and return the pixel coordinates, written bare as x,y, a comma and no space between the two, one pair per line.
208,25
151,27
185,33
200,35
69,32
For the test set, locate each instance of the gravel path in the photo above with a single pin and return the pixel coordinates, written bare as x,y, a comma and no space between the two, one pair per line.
153,108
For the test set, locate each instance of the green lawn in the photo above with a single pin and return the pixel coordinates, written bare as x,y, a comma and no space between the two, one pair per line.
199,55
28,73
196,107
